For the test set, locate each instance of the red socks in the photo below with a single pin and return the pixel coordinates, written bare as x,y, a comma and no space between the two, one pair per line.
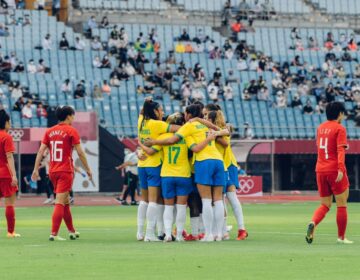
341,220
57,217
320,214
10,218
68,218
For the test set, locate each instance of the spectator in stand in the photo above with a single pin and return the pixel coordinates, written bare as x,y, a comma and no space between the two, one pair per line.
39,5
79,44
231,78
263,94
281,100
16,92
47,43
229,53
79,92
236,28
31,67
105,62
129,69
329,41
296,102
20,68
66,87
352,46
308,109
186,91
254,64
114,81
215,53
26,111
64,43
13,59
184,36
19,104
242,64
213,91
321,107
228,91
97,62
330,93
96,44
200,78
197,95
244,8
104,22
167,80
92,23
226,13
41,111
6,64
248,132
97,94
42,68
313,44
106,89
55,8
217,74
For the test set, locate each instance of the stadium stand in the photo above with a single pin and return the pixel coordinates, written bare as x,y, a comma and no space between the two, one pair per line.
118,110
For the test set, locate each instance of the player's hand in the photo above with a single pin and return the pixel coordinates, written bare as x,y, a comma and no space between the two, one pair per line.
148,142
339,176
212,135
90,175
35,176
14,181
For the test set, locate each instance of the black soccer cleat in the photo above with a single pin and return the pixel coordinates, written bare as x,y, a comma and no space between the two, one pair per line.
310,233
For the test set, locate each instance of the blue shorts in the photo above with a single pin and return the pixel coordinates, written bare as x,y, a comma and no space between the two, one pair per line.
232,179
149,177
210,172
176,186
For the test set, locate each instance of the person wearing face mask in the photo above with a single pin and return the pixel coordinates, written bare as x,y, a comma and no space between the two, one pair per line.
296,102
64,43
96,44
31,67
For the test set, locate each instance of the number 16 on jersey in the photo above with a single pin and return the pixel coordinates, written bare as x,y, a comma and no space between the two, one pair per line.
56,151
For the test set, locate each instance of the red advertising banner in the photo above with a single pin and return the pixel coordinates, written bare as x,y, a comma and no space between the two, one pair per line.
250,186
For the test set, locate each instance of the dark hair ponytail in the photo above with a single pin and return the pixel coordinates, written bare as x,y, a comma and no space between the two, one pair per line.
148,111
4,117
212,115
194,110
212,107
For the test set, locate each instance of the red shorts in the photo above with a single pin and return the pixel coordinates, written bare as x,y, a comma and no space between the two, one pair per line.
327,185
6,189
62,181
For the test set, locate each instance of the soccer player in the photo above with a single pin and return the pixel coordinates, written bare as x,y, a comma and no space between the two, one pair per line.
209,170
150,125
8,179
331,175
61,139
176,181
232,182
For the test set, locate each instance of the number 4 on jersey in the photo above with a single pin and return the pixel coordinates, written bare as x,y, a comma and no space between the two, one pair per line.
56,151
324,145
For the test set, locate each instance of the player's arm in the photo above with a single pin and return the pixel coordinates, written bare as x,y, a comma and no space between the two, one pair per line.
341,147
149,150
222,141
174,128
11,163
196,148
162,142
83,159
206,123
35,175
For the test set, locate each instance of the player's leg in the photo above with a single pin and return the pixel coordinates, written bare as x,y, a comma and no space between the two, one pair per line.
168,193
219,211
160,217
73,234
238,212
143,205
180,216
133,186
10,215
194,206
341,216
152,213
58,214
208,214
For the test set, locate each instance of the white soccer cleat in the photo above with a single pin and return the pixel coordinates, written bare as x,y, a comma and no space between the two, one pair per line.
74,235
151,239
48,201
344,241
208,238
139,236
56,238
180,239
168,238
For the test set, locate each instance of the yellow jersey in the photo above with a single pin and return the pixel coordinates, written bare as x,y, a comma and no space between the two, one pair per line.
224,151
176,158
199,132
151,129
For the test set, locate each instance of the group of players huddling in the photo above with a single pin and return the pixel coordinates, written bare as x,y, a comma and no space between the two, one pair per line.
185,160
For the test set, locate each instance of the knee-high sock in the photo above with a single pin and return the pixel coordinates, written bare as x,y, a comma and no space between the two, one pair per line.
160,219
341,220
320,214
201,224
237,209
141,216
207,216
10,218
57,217
180,219
151,215
219,216
68,218
194,222
168,219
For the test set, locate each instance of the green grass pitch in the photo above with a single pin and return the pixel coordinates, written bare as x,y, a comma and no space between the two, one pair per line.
107,248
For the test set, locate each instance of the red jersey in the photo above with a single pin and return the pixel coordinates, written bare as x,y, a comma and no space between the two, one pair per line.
61,139
6,146
331,144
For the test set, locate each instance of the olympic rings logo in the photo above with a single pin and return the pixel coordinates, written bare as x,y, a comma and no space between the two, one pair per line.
246,185
17,134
